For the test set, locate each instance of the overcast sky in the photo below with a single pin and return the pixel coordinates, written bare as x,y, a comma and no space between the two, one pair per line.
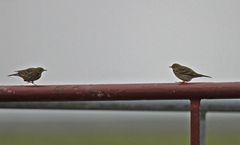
119,41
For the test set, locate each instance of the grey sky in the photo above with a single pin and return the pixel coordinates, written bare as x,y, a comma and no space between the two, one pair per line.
119,41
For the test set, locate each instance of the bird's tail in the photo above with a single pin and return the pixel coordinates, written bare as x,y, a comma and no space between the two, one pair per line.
13,75
200,75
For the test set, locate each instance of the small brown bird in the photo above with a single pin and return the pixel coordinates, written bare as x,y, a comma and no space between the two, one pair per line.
30,75
184,73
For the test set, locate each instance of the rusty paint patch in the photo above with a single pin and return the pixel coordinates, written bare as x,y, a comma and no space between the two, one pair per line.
173,91
2,90
77,90
58,90
10,91
99,94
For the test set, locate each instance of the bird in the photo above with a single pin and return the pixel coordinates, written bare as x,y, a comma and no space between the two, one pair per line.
30,74
184,73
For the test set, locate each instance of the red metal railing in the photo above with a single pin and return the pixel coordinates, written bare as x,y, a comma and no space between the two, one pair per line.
192,91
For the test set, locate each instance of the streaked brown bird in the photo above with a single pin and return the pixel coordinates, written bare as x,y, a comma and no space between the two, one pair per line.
184,73
29,75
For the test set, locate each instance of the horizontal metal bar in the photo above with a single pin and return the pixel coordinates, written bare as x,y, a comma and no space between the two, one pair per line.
155,105
120,92
152,105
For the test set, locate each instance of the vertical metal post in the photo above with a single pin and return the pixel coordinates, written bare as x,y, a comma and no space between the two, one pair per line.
203,128
195,121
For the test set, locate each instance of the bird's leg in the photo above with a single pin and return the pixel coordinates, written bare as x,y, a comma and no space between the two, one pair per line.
33,83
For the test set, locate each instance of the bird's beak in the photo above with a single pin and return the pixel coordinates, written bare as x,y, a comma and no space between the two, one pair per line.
45,70
170,66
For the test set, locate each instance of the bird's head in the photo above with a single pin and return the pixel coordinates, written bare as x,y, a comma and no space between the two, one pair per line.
40,69
175,65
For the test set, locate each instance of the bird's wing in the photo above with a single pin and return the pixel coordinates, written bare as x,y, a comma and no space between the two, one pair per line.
25,70
186,71
26,74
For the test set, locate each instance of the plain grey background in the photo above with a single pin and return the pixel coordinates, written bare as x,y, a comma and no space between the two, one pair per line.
119,41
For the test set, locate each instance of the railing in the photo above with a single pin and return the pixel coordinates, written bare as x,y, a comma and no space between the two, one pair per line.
193,92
